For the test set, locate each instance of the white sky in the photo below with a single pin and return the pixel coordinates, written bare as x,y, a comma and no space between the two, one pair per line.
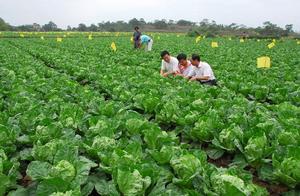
72,12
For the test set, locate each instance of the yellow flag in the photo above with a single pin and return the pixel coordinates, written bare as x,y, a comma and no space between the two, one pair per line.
214,44
113,46
242,40
59,39
229,39
90,37
198,39
65,35
271,45
178,35
131,39
158,37
263,62
274,40
22,35
258,40
298,42
42,38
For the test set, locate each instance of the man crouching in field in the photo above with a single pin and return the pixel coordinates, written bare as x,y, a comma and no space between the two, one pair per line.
169,64
185,66
201,72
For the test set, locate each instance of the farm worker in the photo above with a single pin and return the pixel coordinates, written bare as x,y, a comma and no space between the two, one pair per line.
147,41
201,72
169,64
185,66
136,37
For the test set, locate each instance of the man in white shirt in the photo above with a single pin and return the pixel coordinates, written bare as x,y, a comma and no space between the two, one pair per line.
169,64
201,72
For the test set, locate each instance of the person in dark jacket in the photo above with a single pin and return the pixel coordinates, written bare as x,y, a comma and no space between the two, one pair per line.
136,37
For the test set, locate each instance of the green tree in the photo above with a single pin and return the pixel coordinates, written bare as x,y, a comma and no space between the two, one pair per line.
82,27
51,26
93,28
184,23
142,21
160,24
134,22
3,25
289,28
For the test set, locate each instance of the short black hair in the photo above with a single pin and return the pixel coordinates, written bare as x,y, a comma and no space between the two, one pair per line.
136,28
181,56
164,53
195,57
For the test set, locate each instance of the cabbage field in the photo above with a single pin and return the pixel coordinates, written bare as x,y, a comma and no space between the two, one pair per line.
77,118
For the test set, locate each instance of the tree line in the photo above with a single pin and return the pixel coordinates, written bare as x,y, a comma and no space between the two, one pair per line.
206,27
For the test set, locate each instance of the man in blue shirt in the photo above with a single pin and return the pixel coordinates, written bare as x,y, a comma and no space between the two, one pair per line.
147,42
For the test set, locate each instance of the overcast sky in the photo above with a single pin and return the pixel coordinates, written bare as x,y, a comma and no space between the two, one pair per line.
72,12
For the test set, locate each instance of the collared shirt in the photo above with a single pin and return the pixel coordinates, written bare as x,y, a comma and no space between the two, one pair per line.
186,70
202,70
172,66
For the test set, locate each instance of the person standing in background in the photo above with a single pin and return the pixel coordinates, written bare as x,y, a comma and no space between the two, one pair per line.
136,37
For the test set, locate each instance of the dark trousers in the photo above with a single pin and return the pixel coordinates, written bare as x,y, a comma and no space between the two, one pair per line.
210,82
136,44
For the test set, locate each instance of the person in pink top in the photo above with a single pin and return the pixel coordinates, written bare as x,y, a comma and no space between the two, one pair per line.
185,66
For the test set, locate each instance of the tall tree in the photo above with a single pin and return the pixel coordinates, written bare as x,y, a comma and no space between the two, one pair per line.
134,22
82,27
51,26
160,24
289,28
93,28
184,23
3,25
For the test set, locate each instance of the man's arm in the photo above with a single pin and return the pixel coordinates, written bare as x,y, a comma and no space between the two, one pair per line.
199,78
162,73
179,74
191,74
165,74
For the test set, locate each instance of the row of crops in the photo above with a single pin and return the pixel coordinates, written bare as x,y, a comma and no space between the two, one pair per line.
80,119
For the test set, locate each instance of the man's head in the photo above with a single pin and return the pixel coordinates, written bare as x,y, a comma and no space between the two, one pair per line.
195,60
165,55
136,28
182,59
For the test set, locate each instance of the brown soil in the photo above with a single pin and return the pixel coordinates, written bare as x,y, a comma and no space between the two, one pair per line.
224,161
26,181
273,189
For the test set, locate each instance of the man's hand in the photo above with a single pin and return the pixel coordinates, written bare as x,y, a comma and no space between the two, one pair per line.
165,74
193,79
